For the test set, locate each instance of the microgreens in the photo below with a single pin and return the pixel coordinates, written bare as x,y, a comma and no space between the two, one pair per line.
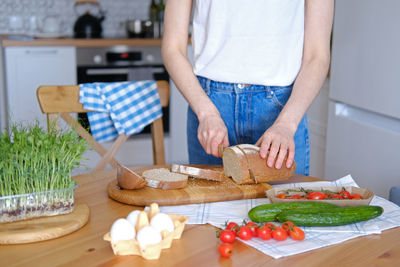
35,160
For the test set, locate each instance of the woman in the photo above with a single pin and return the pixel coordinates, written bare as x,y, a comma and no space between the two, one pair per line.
258,65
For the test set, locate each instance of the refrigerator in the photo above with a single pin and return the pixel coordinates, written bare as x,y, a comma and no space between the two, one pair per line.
363,134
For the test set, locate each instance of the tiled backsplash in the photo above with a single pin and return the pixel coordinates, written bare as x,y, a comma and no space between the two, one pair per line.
26,16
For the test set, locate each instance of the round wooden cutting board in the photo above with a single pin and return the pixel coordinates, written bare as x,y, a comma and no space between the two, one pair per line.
44,228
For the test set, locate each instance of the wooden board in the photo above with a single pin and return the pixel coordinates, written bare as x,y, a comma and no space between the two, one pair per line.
196,191
44,228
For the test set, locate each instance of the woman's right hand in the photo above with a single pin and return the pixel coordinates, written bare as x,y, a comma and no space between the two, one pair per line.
212,132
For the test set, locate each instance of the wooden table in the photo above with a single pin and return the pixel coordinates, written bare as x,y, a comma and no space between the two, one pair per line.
197,247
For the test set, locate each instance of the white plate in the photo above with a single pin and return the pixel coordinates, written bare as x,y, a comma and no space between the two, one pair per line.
49,35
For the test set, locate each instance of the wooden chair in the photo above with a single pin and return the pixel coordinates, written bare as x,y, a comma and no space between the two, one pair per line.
60,101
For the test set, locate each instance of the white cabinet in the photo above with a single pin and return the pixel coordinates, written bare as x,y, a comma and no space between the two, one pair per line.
317,123
29,67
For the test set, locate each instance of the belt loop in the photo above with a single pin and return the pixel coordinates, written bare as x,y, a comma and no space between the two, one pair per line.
269,91
208,82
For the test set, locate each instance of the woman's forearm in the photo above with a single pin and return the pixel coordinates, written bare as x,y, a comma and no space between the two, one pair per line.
181,72
315,63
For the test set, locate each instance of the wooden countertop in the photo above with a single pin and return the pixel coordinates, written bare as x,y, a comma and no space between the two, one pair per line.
197,247
81,42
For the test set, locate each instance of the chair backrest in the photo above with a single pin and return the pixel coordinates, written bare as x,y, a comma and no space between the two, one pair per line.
59,101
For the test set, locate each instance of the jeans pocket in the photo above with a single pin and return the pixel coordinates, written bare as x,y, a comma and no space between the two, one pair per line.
280,94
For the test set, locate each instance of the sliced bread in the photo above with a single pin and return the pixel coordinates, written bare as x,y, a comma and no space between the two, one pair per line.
128,179
248,160
199,173
162,178
236,165
259,169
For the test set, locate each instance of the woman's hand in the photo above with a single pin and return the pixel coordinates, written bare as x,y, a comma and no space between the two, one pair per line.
212,132
278,140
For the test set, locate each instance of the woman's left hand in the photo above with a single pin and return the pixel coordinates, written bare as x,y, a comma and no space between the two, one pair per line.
279,141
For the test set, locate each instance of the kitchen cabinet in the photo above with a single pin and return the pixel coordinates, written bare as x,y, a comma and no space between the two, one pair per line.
29,67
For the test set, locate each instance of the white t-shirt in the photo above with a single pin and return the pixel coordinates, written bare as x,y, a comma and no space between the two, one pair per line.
248,41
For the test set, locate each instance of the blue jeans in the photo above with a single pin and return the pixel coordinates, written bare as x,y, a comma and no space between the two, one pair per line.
247,112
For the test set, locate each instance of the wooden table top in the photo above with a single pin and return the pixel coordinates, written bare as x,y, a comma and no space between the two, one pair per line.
81,42
197,247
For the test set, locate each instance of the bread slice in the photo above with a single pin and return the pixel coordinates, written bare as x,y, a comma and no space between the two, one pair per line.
162,178
256,167
199,173
236,165
128,179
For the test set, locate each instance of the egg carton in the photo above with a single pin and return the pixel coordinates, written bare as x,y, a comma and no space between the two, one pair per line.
151,252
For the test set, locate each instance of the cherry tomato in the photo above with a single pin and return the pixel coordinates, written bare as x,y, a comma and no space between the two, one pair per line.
264,232
356,196
245,233
287,226
345,194
296,233
227,236
270,225
225,250
253,227
234,227
330,195
281,196
279,234
316,195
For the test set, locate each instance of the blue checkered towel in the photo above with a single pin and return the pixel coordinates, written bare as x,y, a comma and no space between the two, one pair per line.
122,107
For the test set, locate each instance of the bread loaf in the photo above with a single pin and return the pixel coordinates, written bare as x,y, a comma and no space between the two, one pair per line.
199,173
162,178
244,164
236,165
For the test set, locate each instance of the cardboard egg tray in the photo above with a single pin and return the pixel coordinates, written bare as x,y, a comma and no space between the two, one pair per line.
151,252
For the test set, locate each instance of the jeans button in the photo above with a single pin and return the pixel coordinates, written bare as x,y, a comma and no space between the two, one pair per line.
240,85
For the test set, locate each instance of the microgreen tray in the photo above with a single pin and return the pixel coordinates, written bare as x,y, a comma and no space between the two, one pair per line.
28,206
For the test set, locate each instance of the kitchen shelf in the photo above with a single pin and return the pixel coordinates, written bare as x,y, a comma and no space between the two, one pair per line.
82,42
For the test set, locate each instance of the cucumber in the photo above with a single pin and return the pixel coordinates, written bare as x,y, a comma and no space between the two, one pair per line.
330,217
268,212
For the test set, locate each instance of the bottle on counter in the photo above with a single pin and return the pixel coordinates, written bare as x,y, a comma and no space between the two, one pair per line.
153,17
160,12
153,11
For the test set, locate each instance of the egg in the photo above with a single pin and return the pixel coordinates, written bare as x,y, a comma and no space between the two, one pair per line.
148,235
132,217
162,221
122,229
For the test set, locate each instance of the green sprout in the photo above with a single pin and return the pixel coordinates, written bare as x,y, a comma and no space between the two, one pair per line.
34,160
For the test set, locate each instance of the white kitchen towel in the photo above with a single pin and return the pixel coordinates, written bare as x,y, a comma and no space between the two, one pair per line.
217,213
122,107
